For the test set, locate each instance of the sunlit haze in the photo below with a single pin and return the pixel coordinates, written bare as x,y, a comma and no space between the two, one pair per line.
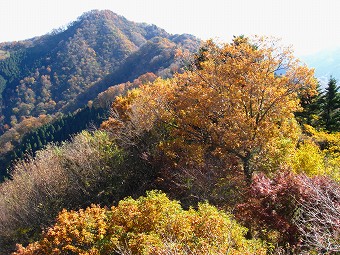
309,25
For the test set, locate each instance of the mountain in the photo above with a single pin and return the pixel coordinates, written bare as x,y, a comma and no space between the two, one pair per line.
326,64
59,72
34,134
47,83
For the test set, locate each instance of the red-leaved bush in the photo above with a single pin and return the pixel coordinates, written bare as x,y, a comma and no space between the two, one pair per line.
294,210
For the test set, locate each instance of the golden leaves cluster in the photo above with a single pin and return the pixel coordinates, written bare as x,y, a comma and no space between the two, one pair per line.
233,100
149,225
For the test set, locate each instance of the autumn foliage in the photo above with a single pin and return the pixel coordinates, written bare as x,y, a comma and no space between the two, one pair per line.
230,105
149,225
222,131
294,210
75,174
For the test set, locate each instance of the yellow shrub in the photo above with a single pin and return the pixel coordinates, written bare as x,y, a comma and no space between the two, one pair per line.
308,159
329,149
149,225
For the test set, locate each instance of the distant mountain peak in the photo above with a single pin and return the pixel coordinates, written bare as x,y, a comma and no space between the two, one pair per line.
326,64
46,74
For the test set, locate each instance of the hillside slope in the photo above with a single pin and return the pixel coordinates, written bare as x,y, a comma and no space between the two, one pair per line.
49,74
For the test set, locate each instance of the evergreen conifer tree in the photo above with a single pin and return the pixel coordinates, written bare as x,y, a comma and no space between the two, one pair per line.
311,109
330,103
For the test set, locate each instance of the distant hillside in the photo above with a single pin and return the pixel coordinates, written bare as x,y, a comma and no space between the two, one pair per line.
326,64
34,134
61,71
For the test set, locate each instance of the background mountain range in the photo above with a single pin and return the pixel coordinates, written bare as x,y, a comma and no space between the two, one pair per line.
326,64
47,74
45,78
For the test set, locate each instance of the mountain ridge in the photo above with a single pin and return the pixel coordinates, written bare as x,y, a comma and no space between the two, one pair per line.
43,74
47,77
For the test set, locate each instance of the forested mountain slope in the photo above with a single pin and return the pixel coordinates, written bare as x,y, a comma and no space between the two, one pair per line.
49,74
34,134
44,78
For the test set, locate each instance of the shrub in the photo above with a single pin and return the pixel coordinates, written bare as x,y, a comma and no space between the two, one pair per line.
76,174
294,211
319,216
149,225
308,159
329,145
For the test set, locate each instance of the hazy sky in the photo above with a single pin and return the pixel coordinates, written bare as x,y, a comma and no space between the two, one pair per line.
309,25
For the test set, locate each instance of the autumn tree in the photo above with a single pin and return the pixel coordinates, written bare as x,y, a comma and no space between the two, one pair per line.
251,88
230,103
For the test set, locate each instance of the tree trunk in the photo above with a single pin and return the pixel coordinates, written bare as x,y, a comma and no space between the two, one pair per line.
246,167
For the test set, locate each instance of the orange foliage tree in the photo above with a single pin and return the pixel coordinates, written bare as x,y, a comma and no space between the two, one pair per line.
232,100
237,96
